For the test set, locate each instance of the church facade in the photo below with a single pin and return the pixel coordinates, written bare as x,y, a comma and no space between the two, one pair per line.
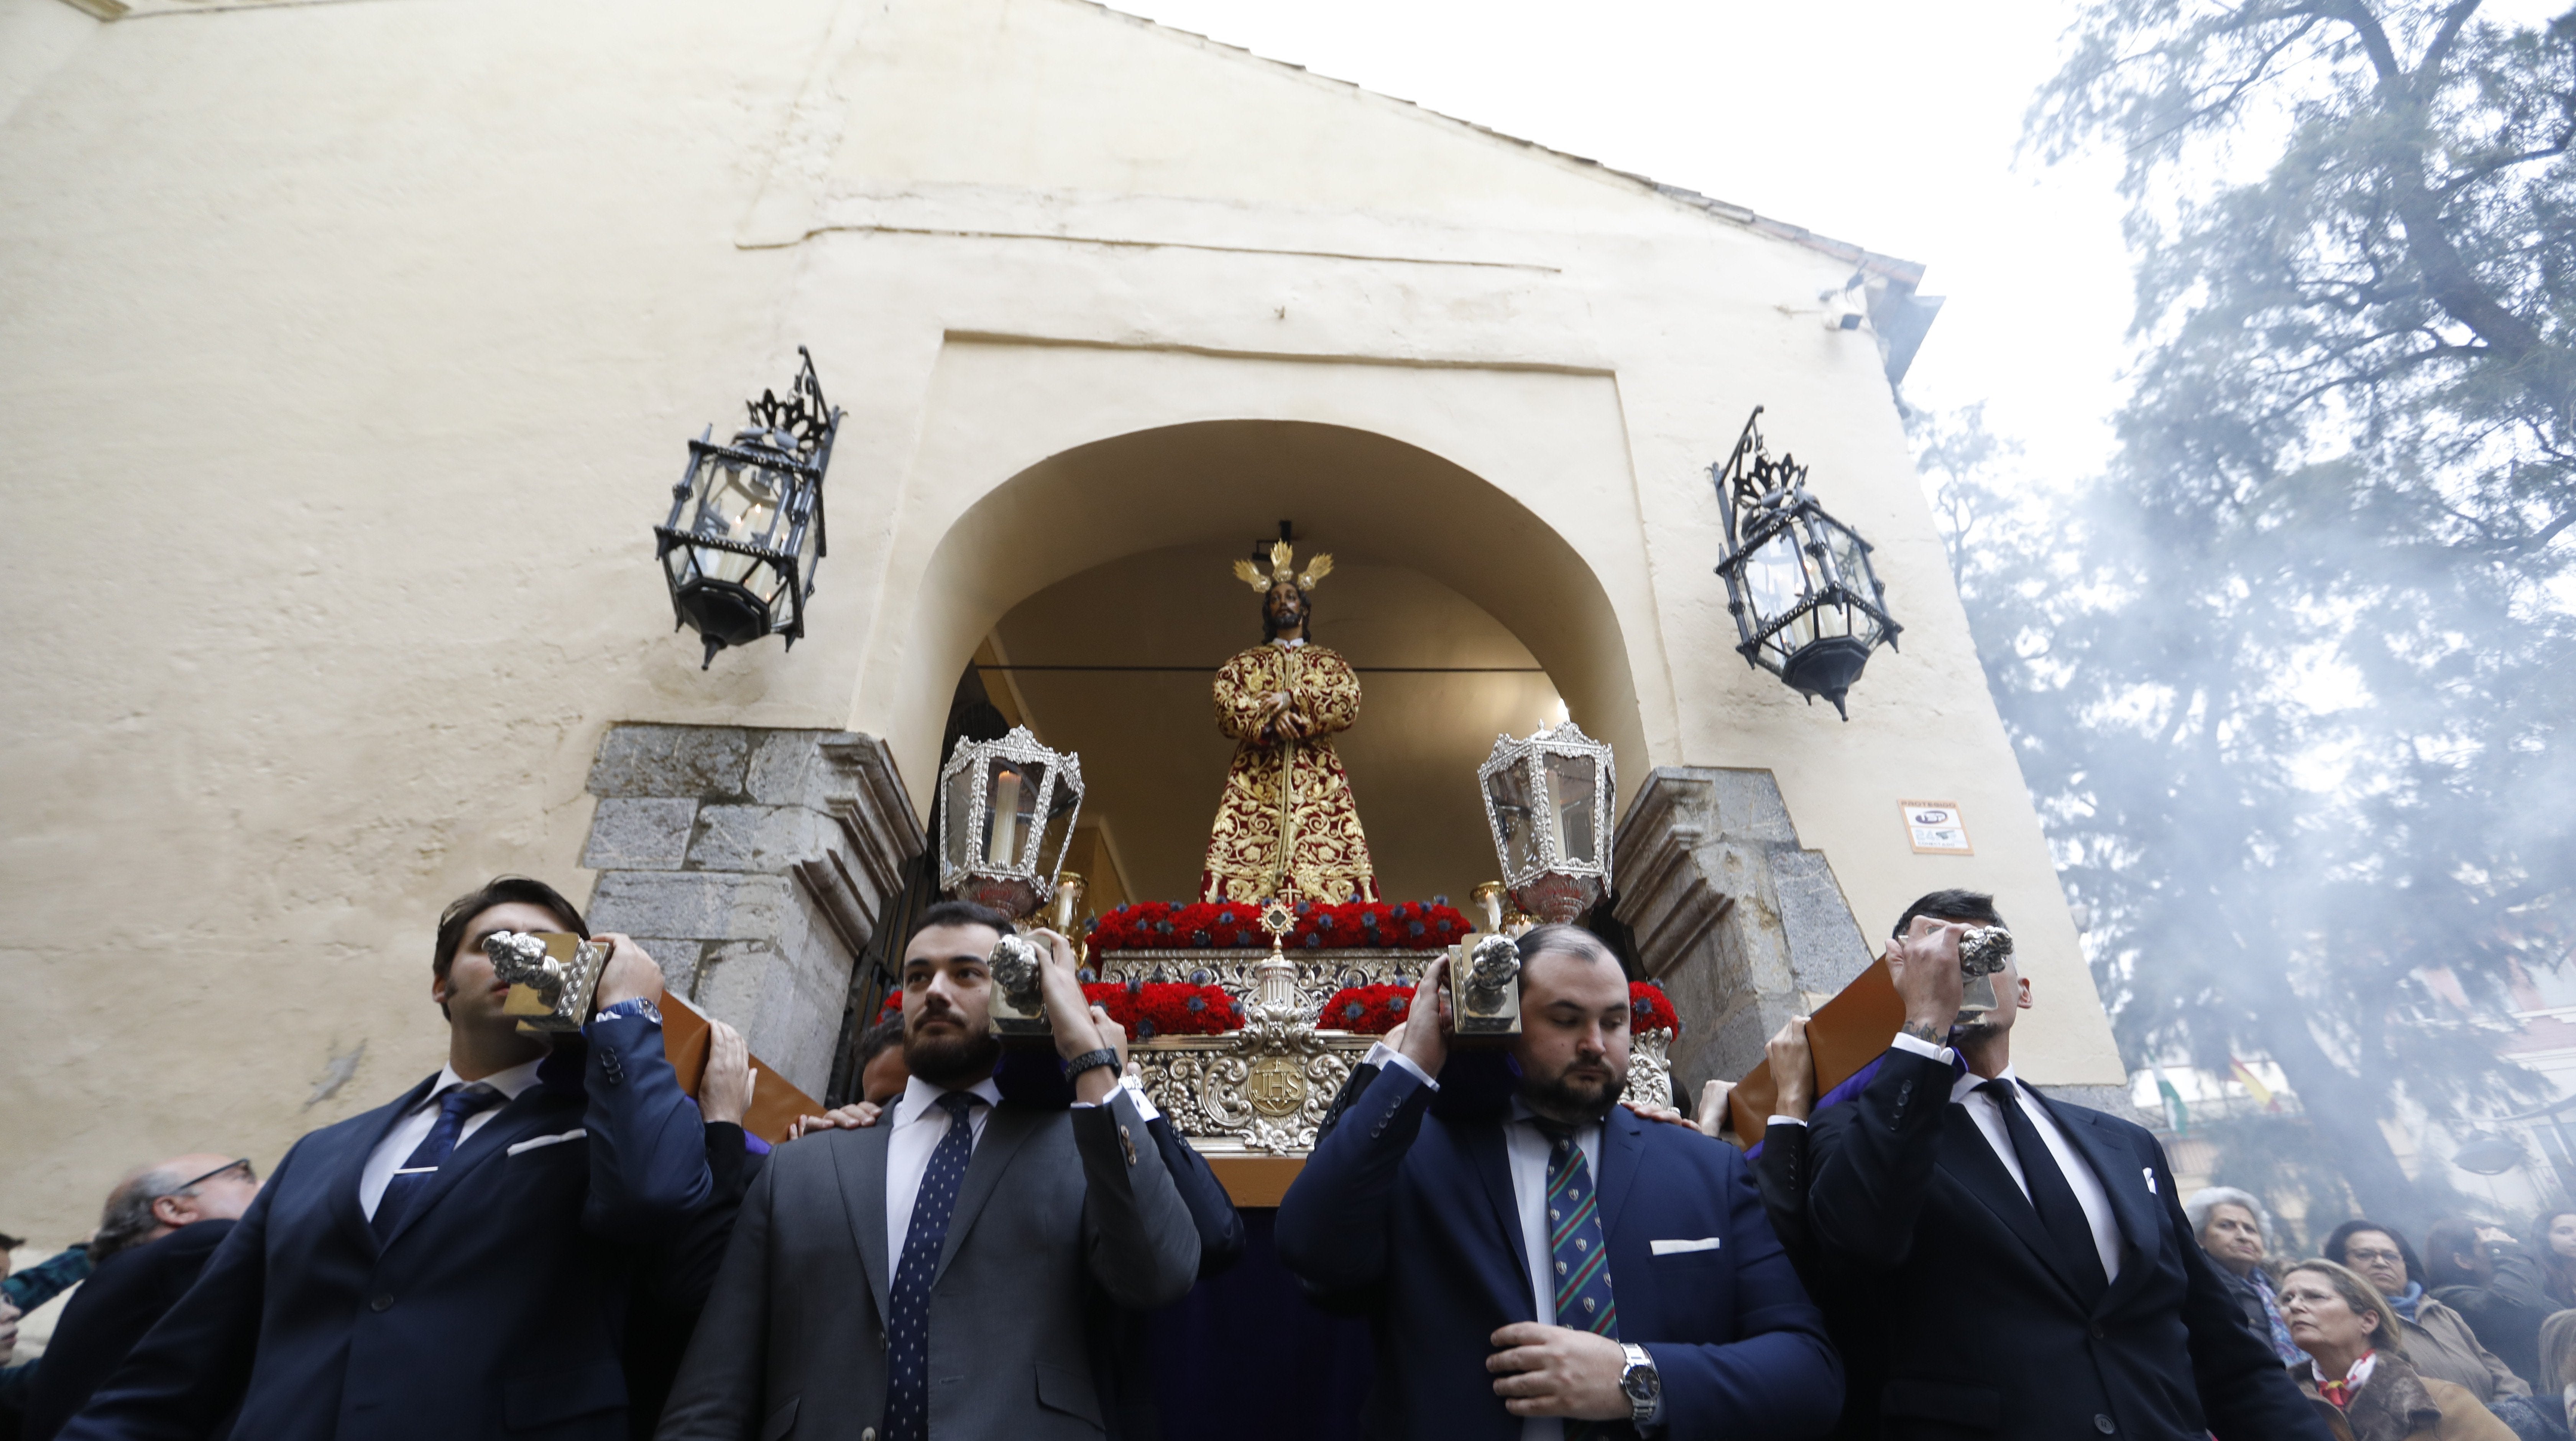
349,350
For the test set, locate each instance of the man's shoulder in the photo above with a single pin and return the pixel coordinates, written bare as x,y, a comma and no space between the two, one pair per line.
2128,1132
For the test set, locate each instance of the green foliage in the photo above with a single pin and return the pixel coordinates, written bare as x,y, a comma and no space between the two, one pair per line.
2291,681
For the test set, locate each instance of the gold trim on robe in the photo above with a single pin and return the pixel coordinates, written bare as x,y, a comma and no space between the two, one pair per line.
1318,830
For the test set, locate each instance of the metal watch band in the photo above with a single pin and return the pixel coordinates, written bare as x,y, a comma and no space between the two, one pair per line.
639,1006
1640,1383
1104,1056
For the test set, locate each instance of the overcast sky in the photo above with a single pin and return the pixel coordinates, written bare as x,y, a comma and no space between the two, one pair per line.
1889,125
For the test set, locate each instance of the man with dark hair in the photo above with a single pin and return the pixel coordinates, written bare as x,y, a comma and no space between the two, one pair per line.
160,1225
455,1264
932,1275
1455,1203
2003,1264
881,1068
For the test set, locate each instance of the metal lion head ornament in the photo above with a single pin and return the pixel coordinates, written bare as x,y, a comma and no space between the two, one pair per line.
1549,801
1806,602
1006,814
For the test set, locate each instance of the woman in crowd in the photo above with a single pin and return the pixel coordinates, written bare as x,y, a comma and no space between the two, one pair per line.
2558,1360
2553,1247
2485,1275
2231,1228
2358,1378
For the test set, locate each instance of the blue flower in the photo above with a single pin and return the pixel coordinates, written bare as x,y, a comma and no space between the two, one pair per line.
1163,926
1439,900
1087,976
1413,928
1314,940
1135,985
1234,1006
1199,978
1225,918
1198,938
1144,1028
1198,1003
1324,922
1395,1006
1354,1010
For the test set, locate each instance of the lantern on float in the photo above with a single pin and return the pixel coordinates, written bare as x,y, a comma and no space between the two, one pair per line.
746,526
1006,814
1807,604
1549,801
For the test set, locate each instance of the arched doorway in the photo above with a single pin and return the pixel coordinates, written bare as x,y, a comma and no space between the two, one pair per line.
1479,562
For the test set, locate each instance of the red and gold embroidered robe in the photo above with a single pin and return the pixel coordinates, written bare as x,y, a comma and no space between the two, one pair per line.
1318,826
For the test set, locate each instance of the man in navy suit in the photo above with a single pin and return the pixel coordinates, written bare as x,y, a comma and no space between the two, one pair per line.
453,1265
1510,1298
2011,1266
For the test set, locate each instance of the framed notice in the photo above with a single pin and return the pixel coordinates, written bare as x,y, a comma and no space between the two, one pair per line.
1936,829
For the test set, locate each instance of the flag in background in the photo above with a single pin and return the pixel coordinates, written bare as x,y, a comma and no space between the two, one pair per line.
2253,1084
2176,1114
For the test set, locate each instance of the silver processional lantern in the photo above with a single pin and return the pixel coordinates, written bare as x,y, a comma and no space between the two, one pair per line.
1806,602
1549,802
746,526
1006,814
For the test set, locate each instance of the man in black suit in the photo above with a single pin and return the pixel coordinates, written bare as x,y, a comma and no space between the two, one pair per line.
161,1224
2021,1266
455,1264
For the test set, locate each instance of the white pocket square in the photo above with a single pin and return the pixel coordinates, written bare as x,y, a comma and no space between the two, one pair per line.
1676,1248
533,1142
2150,1173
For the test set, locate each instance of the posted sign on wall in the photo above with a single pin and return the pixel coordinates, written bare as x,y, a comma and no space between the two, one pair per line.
1936,829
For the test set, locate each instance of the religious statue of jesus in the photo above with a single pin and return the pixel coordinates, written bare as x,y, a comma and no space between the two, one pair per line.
1286,824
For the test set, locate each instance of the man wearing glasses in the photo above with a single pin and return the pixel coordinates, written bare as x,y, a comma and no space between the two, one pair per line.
456,1264
160,1225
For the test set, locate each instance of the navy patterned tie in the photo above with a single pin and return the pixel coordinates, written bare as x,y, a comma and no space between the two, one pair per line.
907,1412
430,1154
1575,1249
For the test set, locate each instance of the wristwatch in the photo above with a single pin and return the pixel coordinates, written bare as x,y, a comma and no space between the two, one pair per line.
1105,1056
1639,1382
639,1006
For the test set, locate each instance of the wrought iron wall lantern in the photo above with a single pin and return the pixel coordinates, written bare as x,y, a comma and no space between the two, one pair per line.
1806,602
746,526
1549,801
1006,814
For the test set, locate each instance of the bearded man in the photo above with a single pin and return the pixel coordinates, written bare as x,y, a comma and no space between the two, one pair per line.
932,1275
1286,821
1455,1203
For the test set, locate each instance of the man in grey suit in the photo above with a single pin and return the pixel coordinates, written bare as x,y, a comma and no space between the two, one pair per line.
929,1276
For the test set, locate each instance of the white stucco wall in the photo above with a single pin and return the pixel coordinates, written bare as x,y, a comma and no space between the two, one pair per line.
345,355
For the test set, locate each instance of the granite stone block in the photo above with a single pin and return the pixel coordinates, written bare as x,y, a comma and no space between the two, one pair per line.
640,833
704,762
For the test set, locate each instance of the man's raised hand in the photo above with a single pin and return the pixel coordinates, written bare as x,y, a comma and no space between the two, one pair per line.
1924,964
1427,1045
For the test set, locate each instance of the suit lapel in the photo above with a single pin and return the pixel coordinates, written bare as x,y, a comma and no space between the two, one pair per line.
2131,1207
1010,1127
1972,1162
861,1172
1493,1163
535,1108
1621,1150
349,1168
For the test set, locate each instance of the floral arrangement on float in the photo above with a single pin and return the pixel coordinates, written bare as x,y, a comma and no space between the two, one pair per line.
1228,925
1147,1009
1376,1010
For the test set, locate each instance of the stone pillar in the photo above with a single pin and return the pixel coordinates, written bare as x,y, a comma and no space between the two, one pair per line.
753,865
1742,925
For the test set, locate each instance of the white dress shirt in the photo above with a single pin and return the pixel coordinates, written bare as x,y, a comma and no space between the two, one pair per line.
414,1127
919,1126
2070,1162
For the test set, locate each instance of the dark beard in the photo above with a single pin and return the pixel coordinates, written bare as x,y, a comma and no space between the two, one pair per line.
1560,1100
949,1063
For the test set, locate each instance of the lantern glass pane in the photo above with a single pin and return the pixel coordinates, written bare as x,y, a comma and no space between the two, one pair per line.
1011,810
1508,790
956,805
1775,582
1057,832
740,503
1571,784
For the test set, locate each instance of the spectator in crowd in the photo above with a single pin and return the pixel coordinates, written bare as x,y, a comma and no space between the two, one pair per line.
160,1225
2062,1292
2359,1380
2231,1228
2553,1250
2558,1364
2437,1341
1455,1204
456,1263
2481,1272
825,1307
881,1069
